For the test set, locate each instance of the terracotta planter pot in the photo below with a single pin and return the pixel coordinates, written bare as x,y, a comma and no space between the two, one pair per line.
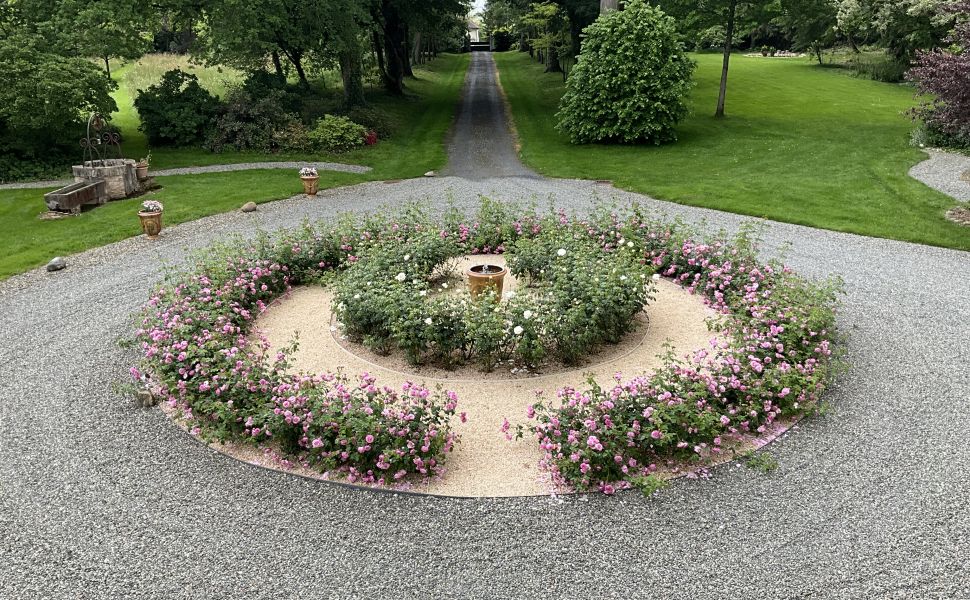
141,171
482,278
151,223
310,185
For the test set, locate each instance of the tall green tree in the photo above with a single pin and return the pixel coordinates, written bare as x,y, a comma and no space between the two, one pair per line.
392,20
105,29
726,13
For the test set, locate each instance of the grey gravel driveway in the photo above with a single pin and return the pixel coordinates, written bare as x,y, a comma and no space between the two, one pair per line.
101,499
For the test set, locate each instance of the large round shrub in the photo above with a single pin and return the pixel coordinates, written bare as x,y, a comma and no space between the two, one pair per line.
631,80
177,110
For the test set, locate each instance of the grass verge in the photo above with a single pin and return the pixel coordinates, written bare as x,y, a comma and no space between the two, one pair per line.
800,144
424,117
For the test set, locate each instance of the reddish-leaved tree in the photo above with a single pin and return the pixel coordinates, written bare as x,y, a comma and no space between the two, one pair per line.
944,74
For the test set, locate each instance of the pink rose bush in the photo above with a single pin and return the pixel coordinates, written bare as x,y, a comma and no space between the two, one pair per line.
195,339
773,353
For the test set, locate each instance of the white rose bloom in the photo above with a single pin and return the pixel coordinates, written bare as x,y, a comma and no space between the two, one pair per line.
620,242
527,314
424,293
561,252
427,321
518,330
656,276
407,257
444,285
622,277
629,244
401,276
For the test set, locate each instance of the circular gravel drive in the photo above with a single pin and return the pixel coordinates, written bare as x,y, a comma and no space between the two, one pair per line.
101,499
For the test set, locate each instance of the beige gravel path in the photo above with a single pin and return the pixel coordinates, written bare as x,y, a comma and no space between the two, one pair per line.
485,463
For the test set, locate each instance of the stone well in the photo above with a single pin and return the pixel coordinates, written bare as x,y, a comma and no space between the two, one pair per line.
120,178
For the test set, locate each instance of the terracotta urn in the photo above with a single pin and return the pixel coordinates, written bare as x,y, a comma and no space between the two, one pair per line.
141,171
310,185
151,223
482,278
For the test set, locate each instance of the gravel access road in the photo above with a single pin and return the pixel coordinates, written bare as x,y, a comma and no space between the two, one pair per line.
480,145
102,499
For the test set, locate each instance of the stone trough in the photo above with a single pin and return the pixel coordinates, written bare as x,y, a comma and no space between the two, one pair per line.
72,197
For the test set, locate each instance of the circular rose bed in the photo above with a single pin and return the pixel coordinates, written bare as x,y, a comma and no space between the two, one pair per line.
578,296
771,357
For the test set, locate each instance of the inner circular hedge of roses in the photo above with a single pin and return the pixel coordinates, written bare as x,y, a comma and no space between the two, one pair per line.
771,355
581,294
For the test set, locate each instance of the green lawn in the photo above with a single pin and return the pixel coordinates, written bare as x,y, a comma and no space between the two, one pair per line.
800,144
423,117
418,146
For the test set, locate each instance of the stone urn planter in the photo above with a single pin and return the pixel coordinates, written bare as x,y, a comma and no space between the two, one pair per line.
309,177
482,278
310,185
150,216
151,223
141,170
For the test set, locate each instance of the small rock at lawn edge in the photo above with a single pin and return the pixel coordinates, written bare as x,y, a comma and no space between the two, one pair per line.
249,207
56,264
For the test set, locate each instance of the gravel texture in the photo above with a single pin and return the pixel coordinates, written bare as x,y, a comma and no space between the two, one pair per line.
943,171
320,166
102,499
480,144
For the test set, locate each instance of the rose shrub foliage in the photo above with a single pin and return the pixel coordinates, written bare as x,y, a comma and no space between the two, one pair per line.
771,358
773,352
581,293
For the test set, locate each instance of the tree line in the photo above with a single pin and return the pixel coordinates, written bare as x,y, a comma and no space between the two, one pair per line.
57,56
551,30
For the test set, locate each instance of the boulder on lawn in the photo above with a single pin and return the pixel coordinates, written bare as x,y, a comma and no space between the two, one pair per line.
249,207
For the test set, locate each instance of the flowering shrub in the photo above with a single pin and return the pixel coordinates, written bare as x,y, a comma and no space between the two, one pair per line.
772,358
336,134
152,206
580,294
773,352
194,336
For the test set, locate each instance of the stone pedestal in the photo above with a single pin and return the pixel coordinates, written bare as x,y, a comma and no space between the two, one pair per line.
120,179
